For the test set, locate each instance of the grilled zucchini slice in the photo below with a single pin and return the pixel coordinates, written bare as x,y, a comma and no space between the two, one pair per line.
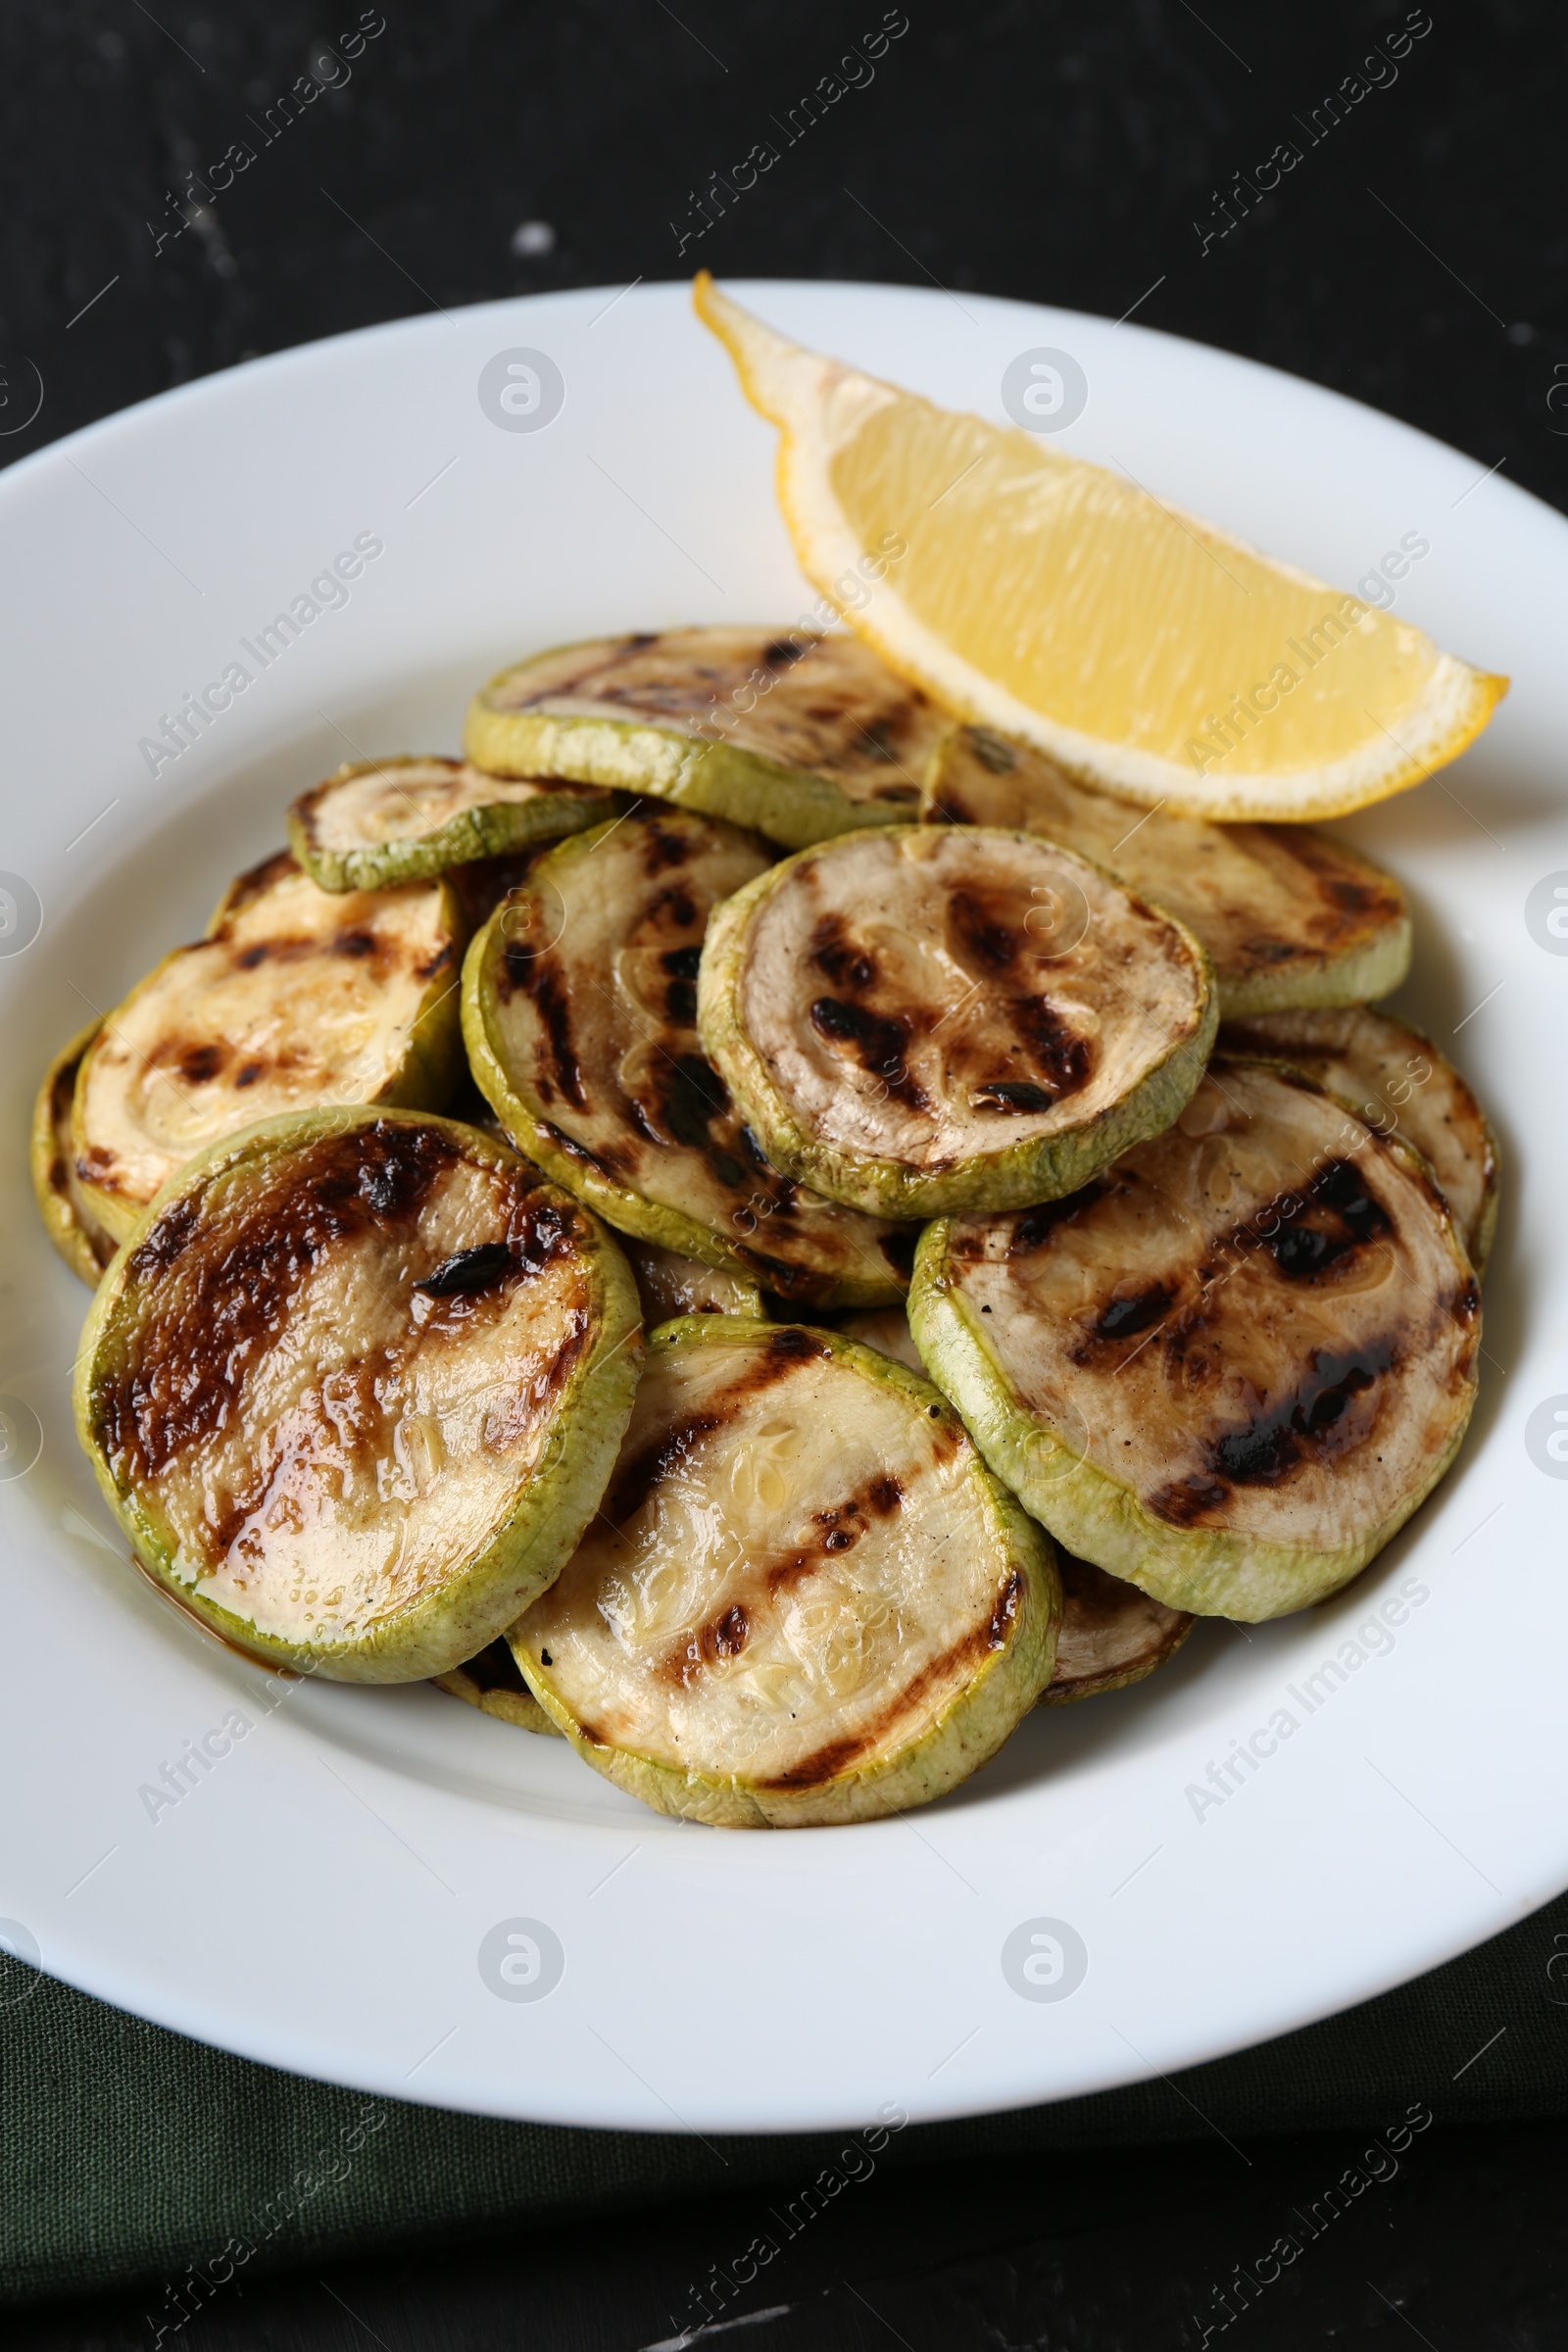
805,1599
377,822
1287,915
492,1684
797,736
1232,1365
1111,1633
671,1285
935,1018
1400,1084
63,1205
354,1388
295,997
579,1004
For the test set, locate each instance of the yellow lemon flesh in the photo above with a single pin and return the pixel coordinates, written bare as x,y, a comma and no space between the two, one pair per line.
1142,648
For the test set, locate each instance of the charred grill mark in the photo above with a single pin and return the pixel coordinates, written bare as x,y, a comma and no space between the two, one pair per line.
1035,1226
1350,900
663,847
198,1065
62,1091
824,1765
482,883
782,653
1308,1232
1307,1424
641,1122
722,1636
248,1073
542,979
541,1233
518,963
782,1191
466,1270
170,1237
232,1304
493,1669
981,932
843,1523
689,1106
1062,1058
680,997
784,1351
1124,1318
1261,1452
1014,1095
964,1655
878,741
693,1096
877,1042
579,1151
1004,1617
636,1480
289,951
730,1632
838,957
1184,1501
797,1284
793,1345
357,943
994,752
840,1526
443,957
258,880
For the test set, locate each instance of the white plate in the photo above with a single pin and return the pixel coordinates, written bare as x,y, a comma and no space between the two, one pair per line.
320,1898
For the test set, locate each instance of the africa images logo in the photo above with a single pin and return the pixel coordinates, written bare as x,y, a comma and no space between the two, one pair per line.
521,1960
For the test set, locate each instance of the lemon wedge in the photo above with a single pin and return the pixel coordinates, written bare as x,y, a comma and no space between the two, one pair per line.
1142,648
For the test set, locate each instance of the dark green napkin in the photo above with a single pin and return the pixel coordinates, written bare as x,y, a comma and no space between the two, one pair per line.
134,2158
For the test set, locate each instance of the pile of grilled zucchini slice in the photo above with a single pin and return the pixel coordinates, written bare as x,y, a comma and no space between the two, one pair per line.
764,1231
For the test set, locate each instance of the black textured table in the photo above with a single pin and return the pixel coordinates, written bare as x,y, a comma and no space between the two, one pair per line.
1368,196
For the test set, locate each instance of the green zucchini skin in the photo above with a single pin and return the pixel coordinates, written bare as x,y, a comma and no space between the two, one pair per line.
1065,1483
700,737
460,1607
1015,1175
1356,977
973,1725
74,1233
867,1279
489,829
